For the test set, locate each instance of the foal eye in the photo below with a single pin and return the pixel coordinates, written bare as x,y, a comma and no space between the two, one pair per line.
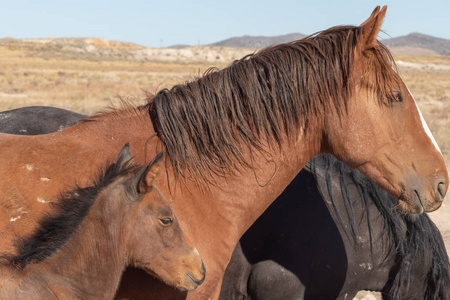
166,221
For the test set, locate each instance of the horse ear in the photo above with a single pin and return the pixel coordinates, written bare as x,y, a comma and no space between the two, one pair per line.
371,27
124,154
149,175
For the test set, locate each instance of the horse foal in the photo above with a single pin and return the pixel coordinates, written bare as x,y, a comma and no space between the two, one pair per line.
81,249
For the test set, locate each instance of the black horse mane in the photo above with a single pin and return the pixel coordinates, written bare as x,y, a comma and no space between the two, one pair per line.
422,238
262,100
72,207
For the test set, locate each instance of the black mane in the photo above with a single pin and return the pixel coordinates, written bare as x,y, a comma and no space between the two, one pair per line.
422,238
71,208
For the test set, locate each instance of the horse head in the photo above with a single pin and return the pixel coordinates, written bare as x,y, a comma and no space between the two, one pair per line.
384,134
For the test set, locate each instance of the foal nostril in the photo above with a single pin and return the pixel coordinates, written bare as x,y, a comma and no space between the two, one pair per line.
203,275
194,279
441,189
201,280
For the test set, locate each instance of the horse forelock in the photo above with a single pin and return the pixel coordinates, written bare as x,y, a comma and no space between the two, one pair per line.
411,238
71,209
381,74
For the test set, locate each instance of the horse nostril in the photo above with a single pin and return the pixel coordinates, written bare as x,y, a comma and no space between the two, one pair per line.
441,189
203,269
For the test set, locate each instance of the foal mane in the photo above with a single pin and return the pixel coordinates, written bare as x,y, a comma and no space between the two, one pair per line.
261,100
72,207
422,239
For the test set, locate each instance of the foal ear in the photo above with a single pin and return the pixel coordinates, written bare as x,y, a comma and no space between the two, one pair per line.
150,174
124,154
371,27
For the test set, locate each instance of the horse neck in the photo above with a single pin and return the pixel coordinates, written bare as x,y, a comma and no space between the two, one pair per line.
227,210
272,174
91,263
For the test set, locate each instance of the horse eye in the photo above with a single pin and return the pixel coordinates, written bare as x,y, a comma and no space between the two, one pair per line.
396,97
166,221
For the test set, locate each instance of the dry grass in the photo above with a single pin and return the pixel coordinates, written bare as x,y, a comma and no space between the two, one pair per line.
82,85
439,60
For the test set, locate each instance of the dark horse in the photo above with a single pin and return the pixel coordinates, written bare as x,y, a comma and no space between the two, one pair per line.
33,120
332,233
317,231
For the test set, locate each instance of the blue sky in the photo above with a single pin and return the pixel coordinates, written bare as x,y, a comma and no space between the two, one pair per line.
165,22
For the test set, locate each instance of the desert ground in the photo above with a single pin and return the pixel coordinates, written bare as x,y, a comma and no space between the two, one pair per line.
86,75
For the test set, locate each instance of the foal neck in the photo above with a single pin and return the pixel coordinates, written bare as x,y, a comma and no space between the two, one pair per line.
91,263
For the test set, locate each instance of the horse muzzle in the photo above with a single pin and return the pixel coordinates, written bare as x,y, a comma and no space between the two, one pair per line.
419,199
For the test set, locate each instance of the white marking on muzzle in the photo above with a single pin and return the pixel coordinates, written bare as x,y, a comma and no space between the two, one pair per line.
424,124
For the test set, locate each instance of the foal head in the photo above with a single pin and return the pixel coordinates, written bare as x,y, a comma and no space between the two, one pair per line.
384,134
151,233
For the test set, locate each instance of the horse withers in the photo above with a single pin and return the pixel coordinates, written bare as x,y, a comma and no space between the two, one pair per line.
235,138
80,250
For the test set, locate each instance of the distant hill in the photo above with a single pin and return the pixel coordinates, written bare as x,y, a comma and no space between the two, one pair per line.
74,48
223,52
411,44
418,40
97,49
257,42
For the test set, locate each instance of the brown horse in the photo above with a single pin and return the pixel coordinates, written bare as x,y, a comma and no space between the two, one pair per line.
247,130
81,250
